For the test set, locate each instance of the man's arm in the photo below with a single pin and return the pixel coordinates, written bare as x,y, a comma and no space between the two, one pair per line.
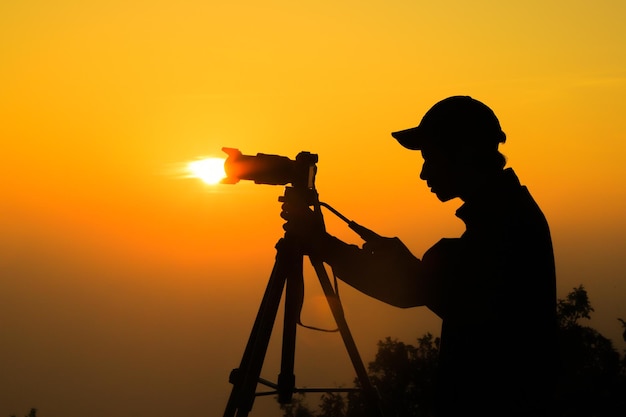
384,269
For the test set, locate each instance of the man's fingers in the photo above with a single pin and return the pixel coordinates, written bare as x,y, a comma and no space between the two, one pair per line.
381,243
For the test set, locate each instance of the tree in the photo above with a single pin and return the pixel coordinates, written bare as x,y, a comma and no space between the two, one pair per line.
404,375
592,381
297,408
333,404
574,307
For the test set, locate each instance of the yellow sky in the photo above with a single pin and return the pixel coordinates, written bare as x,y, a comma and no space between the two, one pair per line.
113,267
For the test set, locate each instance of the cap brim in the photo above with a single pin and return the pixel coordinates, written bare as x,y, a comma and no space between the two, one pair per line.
409,138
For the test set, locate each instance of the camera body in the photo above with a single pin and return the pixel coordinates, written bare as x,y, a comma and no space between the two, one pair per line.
270,169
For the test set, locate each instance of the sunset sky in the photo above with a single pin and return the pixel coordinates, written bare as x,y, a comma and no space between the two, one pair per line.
128,289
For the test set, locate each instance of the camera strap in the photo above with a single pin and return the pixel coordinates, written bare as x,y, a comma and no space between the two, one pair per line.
319,329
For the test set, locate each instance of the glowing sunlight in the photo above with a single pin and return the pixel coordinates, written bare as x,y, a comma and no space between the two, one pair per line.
209,170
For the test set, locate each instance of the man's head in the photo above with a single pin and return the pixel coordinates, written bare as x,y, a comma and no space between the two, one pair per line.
459,138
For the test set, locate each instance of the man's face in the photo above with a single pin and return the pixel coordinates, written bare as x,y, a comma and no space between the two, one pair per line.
441,173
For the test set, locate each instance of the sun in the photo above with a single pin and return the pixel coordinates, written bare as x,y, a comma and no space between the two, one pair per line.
209,170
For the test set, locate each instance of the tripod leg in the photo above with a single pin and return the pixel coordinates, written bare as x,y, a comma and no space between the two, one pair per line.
245,378
294,295
371,395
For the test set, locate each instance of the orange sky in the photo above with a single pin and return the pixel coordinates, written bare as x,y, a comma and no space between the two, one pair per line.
128,290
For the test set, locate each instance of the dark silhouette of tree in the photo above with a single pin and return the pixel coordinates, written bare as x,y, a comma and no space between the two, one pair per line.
333,404
297,408
574,307
592,381
404,375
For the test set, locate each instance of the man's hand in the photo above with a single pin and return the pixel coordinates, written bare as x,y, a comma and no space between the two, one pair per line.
392,251
304,226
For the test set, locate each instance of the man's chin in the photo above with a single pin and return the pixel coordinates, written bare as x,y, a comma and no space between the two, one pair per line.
443,197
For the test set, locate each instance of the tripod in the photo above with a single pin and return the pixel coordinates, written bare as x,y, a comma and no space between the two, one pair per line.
287,276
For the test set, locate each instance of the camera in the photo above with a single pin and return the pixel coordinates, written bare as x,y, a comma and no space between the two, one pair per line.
270,169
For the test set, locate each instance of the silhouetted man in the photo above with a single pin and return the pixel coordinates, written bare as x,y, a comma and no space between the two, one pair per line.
493,287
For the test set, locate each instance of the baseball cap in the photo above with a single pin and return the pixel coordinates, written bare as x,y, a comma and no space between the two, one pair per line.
456,120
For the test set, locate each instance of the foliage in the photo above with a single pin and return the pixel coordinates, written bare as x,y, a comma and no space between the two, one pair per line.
333,405
297,408
592,377
404,375
574,307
